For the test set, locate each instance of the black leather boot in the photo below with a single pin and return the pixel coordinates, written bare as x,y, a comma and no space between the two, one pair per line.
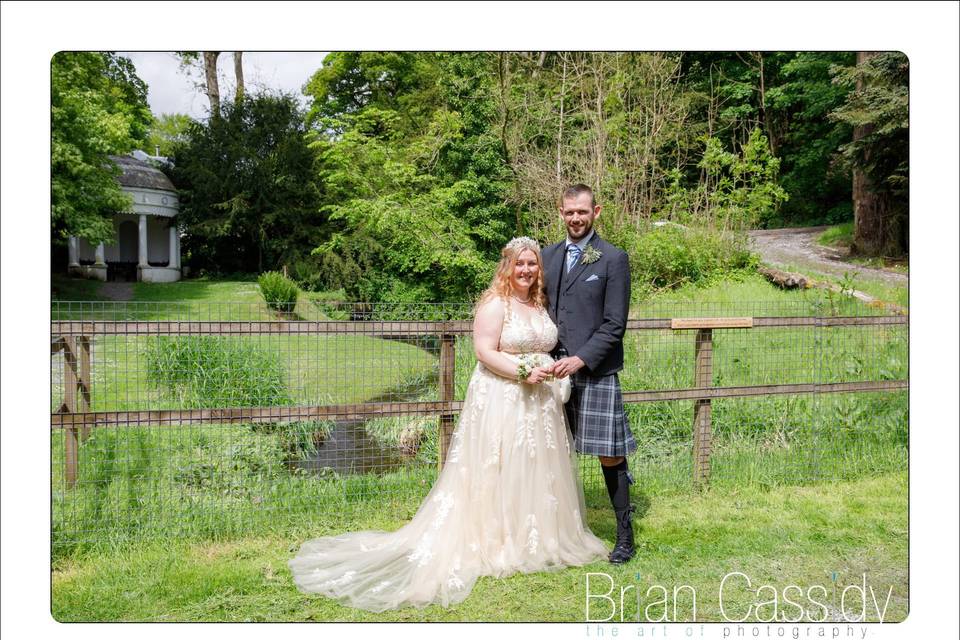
624,549
618,481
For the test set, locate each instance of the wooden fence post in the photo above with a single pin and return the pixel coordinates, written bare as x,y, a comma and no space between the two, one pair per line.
76,398
702,435
83,382
71,441
447,381
703,378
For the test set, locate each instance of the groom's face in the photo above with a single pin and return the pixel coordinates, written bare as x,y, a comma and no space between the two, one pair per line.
578,215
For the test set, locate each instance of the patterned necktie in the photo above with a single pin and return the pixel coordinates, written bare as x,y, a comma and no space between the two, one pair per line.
573,254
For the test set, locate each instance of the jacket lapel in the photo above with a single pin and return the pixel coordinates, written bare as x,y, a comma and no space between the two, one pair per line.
570,278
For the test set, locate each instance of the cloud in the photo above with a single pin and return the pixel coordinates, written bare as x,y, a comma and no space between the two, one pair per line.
173,91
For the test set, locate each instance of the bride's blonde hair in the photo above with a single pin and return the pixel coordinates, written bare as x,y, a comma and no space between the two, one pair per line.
502,284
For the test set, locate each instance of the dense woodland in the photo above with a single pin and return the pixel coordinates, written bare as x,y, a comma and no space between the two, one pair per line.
409,171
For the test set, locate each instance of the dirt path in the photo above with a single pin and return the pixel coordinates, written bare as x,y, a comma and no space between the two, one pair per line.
119,291
798,247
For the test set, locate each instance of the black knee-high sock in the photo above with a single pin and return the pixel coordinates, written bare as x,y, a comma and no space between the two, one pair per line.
618,484
610,478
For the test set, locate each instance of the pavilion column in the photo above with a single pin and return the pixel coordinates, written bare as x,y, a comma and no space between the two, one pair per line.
73,248
174,262
98,256
142,245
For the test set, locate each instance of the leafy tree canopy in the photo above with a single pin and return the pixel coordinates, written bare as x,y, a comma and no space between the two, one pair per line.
880,104
98,108
167,131
413,171
249,199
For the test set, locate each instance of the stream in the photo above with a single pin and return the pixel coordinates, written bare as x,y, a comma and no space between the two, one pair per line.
350,449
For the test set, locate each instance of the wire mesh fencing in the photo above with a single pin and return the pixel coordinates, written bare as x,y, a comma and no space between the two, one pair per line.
208,420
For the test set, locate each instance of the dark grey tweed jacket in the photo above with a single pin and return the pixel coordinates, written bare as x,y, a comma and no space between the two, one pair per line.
589,305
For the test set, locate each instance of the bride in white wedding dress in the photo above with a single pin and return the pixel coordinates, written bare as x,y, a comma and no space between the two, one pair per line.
508,498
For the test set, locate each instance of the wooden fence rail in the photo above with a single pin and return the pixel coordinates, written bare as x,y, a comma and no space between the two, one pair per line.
406,328
76,419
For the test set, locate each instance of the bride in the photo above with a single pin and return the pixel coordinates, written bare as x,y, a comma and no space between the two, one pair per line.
508,498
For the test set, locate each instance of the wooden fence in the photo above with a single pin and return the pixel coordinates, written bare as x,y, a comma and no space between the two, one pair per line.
76,419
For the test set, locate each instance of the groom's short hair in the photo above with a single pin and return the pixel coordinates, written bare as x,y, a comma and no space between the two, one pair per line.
575,190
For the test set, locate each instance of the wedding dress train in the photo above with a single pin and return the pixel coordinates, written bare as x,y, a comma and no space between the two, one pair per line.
507,500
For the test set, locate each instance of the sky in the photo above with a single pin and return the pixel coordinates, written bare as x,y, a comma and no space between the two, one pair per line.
173,91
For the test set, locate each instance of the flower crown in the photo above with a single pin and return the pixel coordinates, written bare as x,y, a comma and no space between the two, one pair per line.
523,242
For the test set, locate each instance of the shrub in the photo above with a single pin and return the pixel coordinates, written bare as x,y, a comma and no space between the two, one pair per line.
279,291
671,256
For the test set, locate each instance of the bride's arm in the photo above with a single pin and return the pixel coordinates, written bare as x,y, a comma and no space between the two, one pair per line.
487,325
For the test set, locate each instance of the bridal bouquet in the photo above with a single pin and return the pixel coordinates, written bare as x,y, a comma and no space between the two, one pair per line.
530,360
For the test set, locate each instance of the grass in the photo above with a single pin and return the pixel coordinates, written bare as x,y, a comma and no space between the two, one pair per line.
216,371
767,441
898,295
196,299
195,522
64,288
215,481
207,482
896,265
782,536
839,235
316,369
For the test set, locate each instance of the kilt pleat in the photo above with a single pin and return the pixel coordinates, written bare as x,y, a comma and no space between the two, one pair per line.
597,417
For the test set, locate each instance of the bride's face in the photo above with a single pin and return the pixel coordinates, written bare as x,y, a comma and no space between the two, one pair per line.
525,271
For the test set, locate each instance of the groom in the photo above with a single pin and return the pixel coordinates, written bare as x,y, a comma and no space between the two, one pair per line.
588,287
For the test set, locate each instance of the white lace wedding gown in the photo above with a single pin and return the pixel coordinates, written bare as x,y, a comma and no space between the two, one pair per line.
508,499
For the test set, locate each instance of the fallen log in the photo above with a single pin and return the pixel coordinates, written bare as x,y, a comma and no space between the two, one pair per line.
784,279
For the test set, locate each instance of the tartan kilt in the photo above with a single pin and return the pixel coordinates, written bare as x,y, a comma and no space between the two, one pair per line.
597,418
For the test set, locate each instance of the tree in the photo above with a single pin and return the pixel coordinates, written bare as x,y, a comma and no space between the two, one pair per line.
249,199
238,71
878,110
213,85
167,131
430,160
206,63
98,108
414,171
801,99
615,121
787,96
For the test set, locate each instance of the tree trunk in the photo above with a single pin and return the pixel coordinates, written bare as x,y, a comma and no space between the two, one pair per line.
768,124
870,208
238,70
213,85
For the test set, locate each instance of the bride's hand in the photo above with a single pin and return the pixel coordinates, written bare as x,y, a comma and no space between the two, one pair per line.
538,375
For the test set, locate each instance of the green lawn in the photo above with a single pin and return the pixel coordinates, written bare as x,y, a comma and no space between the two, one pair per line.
64,288
194,299
196,522
898,295
317,369
779,537
766,440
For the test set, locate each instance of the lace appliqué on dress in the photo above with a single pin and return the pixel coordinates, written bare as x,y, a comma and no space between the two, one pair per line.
518,336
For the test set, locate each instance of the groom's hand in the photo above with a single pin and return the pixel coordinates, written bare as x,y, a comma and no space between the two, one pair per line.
567,366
